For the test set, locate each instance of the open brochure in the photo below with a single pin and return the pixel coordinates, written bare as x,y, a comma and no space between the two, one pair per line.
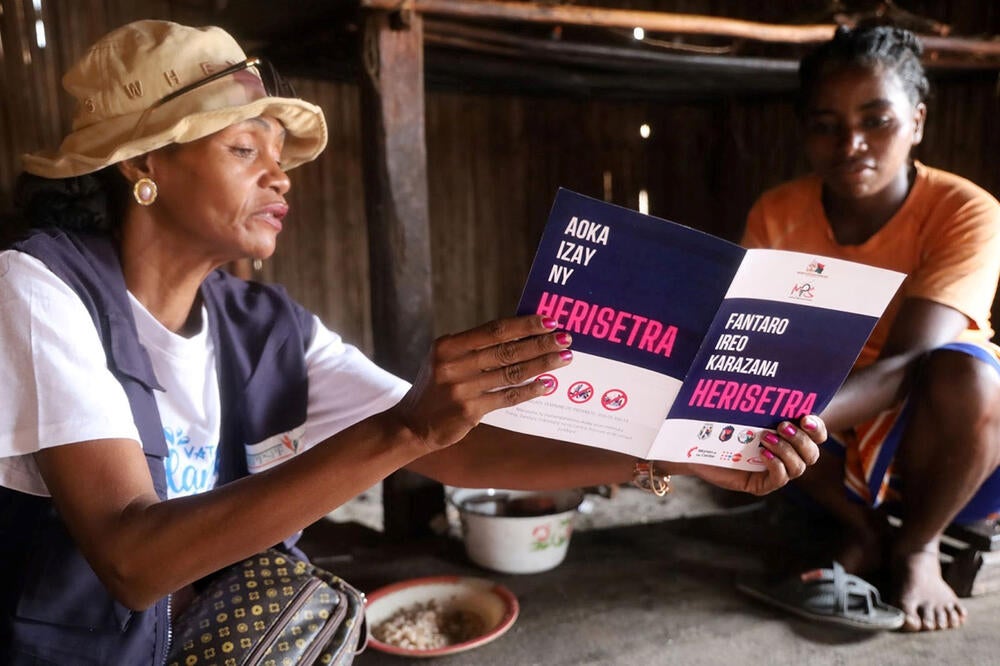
686,346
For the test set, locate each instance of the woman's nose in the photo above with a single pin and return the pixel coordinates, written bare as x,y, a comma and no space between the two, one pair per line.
853,141
277,179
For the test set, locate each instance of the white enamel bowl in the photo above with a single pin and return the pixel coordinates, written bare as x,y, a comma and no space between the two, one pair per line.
521,543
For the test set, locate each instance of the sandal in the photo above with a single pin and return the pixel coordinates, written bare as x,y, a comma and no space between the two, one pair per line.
833,596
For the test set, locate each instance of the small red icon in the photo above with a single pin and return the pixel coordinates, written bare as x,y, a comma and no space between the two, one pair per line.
580,392
551,381
614,399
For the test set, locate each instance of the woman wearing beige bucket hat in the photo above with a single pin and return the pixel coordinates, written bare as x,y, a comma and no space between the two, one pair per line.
172,419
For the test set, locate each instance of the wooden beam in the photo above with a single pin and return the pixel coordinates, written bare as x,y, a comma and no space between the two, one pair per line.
559,65
396,202
534,12
655,22
468,38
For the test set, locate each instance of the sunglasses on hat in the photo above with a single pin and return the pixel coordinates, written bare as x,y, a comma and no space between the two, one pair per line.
274,84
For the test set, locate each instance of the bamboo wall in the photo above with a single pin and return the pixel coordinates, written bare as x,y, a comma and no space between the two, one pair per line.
494,162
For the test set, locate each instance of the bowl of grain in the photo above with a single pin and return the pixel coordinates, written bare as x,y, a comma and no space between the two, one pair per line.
516,531
438,615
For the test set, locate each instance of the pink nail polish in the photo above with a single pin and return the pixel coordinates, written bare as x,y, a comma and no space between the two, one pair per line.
768,455
566,355
547,382
809,423
563,339
770,438
789,430
549,322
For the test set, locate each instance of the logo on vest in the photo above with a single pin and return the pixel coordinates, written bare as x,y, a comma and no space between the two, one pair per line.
274,450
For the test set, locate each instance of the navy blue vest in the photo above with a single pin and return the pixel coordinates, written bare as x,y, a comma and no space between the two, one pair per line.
53,608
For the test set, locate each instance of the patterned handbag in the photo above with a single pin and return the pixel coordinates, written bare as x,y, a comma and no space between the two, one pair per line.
271,610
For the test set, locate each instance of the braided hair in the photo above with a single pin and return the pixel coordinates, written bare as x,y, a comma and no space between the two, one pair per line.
896,49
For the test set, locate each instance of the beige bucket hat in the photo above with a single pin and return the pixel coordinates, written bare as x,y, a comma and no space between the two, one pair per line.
119,84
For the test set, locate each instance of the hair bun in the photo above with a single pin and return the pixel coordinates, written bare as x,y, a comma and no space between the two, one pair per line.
70,203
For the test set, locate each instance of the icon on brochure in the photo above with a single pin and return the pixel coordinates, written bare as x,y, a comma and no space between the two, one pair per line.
553,383
745,436
580,392
815,267
727,433
705,432
614,399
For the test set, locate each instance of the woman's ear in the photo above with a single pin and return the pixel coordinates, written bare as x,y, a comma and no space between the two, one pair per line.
135,168
919,115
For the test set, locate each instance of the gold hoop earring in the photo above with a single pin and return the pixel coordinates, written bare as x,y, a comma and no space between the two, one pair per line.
144,191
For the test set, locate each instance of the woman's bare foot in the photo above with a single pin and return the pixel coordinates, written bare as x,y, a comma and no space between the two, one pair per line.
919,589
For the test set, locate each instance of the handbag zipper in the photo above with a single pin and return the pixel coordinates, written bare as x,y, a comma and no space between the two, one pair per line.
170,629
331,626
275,629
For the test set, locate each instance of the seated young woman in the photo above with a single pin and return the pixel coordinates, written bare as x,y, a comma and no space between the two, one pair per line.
916,426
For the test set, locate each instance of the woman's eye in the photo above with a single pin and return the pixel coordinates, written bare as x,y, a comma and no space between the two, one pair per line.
242,151
822,128
877,122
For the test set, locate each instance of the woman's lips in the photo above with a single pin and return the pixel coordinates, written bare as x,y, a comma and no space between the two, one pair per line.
273,214
853,172
853,167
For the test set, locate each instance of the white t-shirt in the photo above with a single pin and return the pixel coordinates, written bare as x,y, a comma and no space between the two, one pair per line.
59,390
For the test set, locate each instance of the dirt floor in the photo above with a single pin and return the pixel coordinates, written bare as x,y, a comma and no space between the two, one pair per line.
651,581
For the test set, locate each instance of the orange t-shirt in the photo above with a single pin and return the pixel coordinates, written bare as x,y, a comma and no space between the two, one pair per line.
945,237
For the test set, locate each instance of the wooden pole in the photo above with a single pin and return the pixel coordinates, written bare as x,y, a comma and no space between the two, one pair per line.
395,171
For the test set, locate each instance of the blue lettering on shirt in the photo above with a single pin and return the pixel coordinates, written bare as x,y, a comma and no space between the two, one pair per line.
191,467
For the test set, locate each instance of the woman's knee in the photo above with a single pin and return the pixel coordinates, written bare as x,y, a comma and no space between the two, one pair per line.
959,391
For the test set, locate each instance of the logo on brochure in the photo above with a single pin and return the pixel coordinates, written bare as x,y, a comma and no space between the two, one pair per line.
803,292
613,400
705,432
746,436
727,433
815,269
553,383
698,452
730,456
756,460
580,392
